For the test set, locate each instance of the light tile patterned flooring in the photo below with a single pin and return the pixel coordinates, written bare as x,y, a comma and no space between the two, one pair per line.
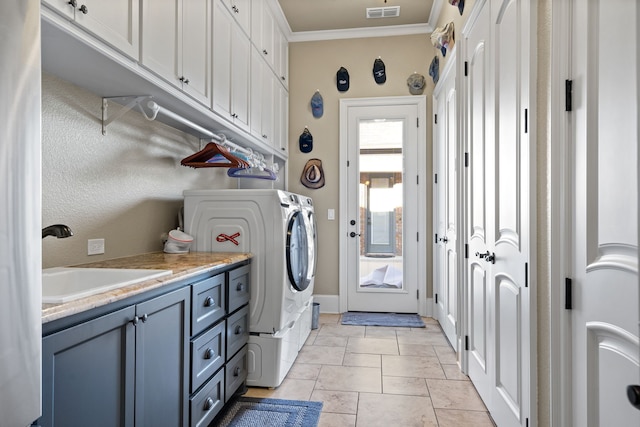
380,376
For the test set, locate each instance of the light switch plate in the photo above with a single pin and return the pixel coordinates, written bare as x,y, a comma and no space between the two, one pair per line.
95,247
331,214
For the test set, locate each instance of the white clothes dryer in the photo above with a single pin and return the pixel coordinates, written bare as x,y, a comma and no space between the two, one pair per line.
272,225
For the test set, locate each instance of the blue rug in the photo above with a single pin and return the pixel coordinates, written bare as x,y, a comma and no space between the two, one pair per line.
382,319
253,412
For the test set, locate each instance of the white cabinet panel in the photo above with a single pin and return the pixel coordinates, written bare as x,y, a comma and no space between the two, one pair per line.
116,22
241,10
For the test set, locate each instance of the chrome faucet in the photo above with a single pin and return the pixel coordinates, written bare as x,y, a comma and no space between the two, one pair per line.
58,230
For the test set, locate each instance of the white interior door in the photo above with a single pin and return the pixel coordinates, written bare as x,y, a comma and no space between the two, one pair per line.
445,209
380,186
604,228
500,334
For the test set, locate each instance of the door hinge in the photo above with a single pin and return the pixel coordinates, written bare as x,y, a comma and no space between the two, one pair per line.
417,122
436,295
568,95
347,163
466,250
526,120
466,342
466,160
526,424
466,68
436,179
417,179
435,121
417,293
567,294
526,274
417,237
436,240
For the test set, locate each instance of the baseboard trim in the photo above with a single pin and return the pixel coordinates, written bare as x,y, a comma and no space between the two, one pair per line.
331,304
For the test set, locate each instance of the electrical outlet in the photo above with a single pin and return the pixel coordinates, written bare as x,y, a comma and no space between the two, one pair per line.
95,247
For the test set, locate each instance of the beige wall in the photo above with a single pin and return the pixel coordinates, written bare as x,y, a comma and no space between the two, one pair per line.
125,187
313,66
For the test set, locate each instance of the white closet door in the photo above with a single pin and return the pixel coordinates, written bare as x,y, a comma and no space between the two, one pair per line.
604,232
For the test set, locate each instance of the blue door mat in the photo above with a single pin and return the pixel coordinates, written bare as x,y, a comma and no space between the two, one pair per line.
402,320
253,412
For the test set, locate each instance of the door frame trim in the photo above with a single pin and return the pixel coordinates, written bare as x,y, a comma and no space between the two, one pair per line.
421,103
560,170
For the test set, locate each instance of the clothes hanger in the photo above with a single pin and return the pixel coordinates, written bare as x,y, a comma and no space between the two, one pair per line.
214,155
251,172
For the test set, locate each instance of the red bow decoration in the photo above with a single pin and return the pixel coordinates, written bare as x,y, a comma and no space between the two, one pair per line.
225,237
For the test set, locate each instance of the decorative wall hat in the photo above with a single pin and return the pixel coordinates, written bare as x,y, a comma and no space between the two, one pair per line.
306,141
416,84
434,69
379,71
342,79
443,38
317,107
312,174
459,3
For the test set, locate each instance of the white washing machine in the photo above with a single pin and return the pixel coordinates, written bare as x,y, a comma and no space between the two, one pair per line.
274,227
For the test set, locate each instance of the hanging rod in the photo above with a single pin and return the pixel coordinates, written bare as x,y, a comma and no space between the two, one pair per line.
132,101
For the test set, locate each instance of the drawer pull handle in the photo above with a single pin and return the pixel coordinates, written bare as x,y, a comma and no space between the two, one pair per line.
240,287
208,404
209,353
239,330
236,371
209,302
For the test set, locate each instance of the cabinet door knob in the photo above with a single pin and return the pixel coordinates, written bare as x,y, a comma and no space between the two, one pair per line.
235,8
135,320
84,9
265,51
209,353
73,3
208,404
144,317
239,330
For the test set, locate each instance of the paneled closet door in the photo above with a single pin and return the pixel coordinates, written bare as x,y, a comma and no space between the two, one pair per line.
499,192
604,163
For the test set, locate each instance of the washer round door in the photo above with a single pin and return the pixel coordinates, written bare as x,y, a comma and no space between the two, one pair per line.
298,252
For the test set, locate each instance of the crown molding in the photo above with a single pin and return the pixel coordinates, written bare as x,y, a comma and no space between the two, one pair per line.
354,33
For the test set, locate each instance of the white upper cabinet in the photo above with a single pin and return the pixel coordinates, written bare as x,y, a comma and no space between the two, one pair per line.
269,39
176,44
231,65
262,99
241,11
116,22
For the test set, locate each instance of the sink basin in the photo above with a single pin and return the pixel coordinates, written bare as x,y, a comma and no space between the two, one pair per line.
64,284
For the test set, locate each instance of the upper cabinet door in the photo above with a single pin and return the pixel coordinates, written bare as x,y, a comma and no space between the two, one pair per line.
162,38
116,22
241,11
196,50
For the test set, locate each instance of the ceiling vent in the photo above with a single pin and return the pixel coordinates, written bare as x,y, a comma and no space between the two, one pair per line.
383,12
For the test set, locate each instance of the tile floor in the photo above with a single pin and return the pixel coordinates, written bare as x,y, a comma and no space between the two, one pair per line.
380,376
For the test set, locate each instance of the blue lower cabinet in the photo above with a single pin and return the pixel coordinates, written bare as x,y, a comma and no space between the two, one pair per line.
235,373
207,403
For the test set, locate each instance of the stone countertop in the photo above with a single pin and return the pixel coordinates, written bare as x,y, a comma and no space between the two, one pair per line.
182,265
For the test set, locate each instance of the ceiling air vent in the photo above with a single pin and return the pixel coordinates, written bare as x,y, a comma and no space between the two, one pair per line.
383,12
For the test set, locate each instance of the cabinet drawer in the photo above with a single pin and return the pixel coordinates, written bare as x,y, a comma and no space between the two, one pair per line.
237,331
208,303
207,355
239,286
205,405
236,373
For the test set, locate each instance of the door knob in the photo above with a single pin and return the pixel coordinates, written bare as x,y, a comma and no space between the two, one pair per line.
444,239
354,234
352,222
487,256
633,393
